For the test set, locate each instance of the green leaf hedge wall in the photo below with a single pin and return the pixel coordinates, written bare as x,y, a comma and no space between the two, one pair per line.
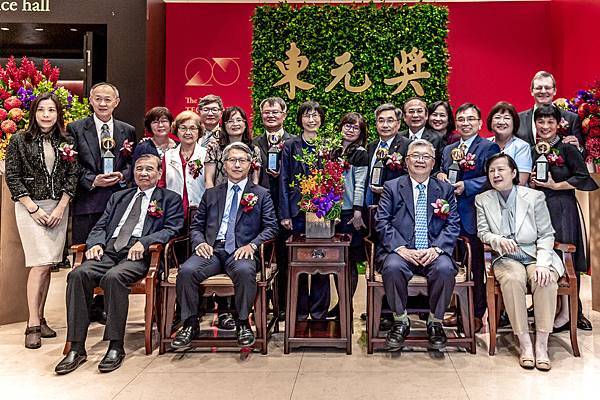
373,34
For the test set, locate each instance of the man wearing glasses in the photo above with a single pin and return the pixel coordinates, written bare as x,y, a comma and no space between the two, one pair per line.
225,235
415,240
471,153
210,109
543,90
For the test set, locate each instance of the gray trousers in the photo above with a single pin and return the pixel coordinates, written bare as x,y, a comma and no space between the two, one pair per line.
196,269
397,272
113,273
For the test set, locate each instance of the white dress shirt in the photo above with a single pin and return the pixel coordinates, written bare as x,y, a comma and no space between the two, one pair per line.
228,201
418,134
139,227
111,129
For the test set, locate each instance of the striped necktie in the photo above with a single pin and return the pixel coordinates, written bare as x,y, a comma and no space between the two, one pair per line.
421,240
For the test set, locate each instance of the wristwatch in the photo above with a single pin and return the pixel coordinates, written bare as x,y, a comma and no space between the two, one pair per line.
438,250
254,247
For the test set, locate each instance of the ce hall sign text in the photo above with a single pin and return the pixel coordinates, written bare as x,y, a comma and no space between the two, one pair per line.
25,6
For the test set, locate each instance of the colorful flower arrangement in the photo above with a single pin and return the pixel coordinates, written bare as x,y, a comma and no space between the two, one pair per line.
20,85
322,189
586,104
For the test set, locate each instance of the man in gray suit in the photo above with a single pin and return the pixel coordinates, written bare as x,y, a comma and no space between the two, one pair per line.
543,90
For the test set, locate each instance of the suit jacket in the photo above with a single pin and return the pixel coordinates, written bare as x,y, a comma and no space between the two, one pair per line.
475,180
395,217
526,133
255,226
533,227
266,180
289,196
156,229
90,200
436,140
399,145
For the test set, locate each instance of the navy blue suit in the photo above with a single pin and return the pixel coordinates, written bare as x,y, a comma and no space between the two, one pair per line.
113,273
395,225
475,182
89,203
398,145
254,226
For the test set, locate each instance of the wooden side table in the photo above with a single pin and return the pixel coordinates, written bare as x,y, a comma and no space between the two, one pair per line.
324,256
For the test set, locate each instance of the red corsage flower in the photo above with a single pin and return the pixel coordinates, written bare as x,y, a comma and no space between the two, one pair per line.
554,158
154,209
255,164
195,167
394,161
563,125
67,153
127,148
441,208
248,201
468,163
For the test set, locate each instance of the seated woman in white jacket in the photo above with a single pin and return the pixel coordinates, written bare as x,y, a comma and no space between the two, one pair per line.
514,220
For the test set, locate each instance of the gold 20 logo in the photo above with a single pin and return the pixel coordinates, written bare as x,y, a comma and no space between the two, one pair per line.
216,71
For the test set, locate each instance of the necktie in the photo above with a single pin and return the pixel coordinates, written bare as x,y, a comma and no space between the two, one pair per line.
104,131
230,234
463,147
370,200
130,223
412,137
421,241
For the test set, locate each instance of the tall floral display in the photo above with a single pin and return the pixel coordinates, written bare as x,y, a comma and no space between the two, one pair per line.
20,85
586,104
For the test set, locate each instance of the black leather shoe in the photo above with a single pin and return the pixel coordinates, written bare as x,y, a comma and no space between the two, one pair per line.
583,323
503,321
226,322
395,337
385,324
185,336
530,312
436,335
111,360
245,336
562,328
70,362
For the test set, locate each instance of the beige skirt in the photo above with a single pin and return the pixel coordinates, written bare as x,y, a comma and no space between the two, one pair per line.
42,246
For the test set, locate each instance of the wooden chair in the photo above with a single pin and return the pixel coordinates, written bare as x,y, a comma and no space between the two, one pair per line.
220,285
463,289
567,285
146,286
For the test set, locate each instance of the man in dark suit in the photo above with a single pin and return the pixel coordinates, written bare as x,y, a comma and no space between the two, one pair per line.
388,118
415,117
116,256
415,239
543,90
472,180
232,221
273,112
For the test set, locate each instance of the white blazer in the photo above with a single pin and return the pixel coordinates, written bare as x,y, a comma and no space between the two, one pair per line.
174,174
533,227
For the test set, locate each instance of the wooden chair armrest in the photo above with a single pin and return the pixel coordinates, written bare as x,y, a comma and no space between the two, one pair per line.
564,247
264,263
370,247
78,251
467,259
170,258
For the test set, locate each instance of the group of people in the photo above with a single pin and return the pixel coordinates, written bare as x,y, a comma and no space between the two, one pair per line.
207,161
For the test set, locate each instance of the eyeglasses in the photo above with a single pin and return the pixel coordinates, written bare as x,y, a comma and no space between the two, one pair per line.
210,110
417,157
389,121
498,118
470,120
314,116
183,129
352,128
540,88
235,121
242,161
272,113
160,121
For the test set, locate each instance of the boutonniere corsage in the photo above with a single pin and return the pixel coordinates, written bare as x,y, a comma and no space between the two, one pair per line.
441,208
195,167
563,126
468,162
127,148
255,164
394,161
554,158
67,153
154,209
248,201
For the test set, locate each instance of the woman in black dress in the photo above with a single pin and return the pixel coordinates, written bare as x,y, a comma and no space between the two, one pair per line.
567,172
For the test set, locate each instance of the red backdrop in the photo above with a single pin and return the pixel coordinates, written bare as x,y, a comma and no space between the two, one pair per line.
495,48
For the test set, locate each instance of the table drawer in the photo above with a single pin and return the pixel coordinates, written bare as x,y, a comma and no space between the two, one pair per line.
318,254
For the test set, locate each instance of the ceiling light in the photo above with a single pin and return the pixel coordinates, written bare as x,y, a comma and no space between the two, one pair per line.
73,29
4,29
39,29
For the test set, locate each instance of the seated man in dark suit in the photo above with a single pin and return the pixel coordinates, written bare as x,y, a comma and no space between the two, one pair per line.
417,238
233,219
117,246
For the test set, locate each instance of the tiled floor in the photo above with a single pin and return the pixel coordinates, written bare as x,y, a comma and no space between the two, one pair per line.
311,374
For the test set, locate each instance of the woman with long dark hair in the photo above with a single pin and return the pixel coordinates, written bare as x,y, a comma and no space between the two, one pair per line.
41,174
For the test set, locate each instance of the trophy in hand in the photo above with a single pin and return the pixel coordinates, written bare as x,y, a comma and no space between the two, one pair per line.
108,158
457,155
541,164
